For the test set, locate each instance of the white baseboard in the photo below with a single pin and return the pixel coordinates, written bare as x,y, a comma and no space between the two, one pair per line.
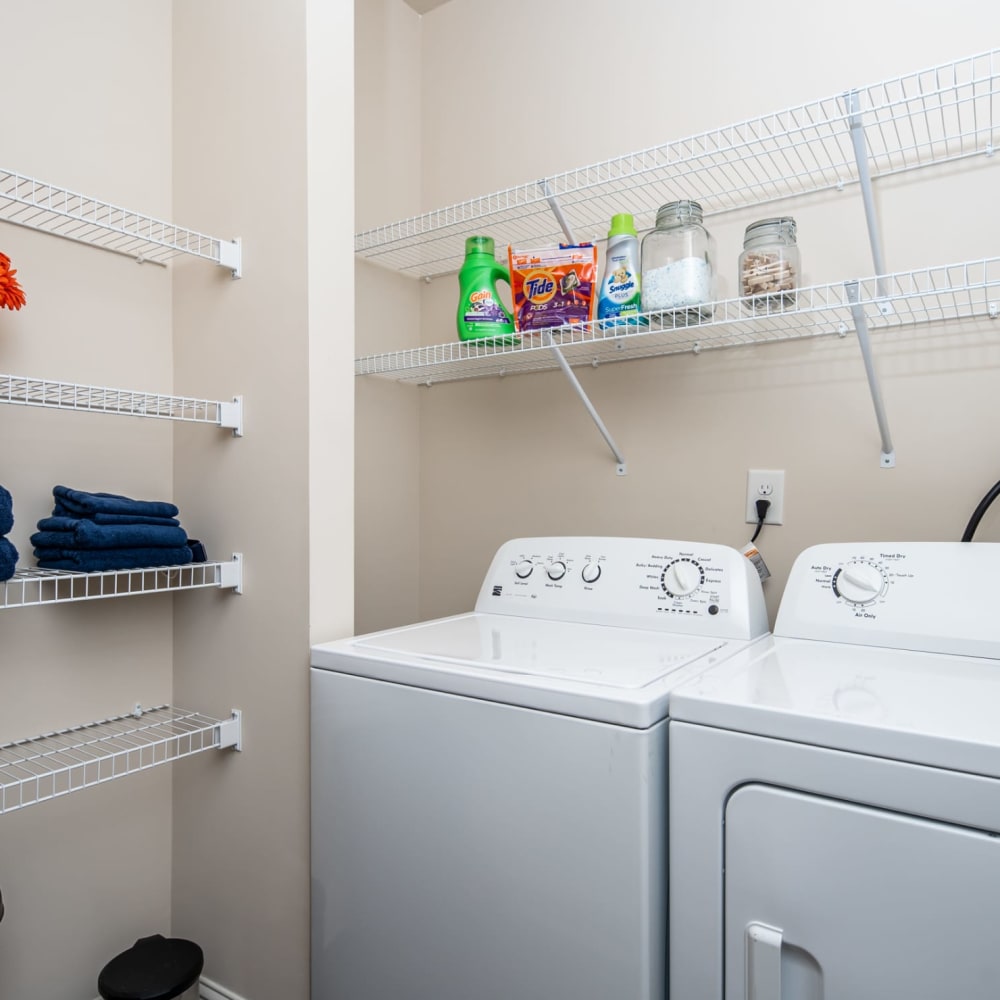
213,991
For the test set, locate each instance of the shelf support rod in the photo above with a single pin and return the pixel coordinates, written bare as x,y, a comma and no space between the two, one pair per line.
864,341
574,382
852,102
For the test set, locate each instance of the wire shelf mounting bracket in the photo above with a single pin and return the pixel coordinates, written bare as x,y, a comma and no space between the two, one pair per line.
621,468
231,256
231,415
888,460
231,574
231,731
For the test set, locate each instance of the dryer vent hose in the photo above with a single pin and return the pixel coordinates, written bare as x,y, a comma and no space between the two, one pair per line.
977,514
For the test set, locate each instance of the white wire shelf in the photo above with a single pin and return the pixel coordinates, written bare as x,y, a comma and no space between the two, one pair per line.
28,391
31,587
935,115
26,201
53,765
954,291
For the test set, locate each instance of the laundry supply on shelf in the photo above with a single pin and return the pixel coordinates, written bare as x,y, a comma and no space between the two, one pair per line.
81,503
481,314
94,532
8,554
769,265
8,559
6,511
101,560
79,533
677,272
620,299
553,286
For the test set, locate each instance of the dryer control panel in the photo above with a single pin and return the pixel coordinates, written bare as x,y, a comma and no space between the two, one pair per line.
695,588
932,596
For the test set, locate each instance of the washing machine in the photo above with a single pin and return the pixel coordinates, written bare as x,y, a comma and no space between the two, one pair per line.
489,789
835,791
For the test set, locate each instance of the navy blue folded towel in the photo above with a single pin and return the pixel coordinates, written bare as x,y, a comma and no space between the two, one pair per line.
6,512
98,560
82,504
61,510
8,559
79,533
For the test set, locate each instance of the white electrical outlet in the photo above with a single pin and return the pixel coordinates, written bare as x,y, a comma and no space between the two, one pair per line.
766,484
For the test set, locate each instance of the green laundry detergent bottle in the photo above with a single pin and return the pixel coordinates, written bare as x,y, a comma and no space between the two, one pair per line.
480,311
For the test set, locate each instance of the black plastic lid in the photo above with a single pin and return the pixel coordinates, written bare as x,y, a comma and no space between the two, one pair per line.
154,968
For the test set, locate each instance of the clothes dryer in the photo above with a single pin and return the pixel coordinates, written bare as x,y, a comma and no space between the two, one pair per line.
835,790
489,789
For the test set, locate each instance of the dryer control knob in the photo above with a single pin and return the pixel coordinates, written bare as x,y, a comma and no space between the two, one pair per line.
858,582
681,578
590,572
556,570
523,569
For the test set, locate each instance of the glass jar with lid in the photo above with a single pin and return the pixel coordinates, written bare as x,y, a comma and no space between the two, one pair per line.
769,265
677,272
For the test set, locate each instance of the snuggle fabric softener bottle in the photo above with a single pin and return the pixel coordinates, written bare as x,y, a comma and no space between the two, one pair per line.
480,311
620,298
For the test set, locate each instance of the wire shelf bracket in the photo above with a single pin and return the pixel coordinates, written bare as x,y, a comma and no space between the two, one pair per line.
70,760
32,587
621,468
36,204
29,391
888,460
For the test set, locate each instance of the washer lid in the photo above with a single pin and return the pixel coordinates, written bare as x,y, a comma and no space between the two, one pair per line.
594,671
923,708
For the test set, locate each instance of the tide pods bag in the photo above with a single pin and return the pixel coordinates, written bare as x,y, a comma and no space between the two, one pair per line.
553,286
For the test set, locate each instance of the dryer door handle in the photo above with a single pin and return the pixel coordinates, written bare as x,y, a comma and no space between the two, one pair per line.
763,962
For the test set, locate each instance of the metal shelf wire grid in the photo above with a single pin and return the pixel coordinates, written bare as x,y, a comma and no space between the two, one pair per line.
100,399
58,763
932,116
29,587
954,291
25,201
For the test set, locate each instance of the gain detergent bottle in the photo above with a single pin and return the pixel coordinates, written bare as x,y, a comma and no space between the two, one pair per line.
480,311
620,298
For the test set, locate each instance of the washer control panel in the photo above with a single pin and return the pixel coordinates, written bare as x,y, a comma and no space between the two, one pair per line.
692,587
933,596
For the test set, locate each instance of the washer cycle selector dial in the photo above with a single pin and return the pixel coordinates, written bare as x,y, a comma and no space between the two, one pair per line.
556,570
859,582
523,569
590,572
682,577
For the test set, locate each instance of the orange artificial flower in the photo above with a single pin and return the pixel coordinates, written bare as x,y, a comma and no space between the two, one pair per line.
11,293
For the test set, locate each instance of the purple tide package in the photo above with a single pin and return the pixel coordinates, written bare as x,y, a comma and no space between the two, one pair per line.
553,286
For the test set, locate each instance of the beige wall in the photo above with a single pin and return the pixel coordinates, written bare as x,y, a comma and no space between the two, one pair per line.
203,114
506,457
88,109
387,516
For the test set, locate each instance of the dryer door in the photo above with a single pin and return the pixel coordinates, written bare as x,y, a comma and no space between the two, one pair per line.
831,901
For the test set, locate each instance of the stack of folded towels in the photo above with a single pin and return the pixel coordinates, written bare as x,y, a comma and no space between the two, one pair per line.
91,532
8,554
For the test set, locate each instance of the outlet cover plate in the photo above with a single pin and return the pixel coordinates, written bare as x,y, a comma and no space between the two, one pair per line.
766,484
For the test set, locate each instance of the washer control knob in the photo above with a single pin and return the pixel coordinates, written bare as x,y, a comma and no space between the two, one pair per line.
523,569
858,582
556,570
681,578
591,572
